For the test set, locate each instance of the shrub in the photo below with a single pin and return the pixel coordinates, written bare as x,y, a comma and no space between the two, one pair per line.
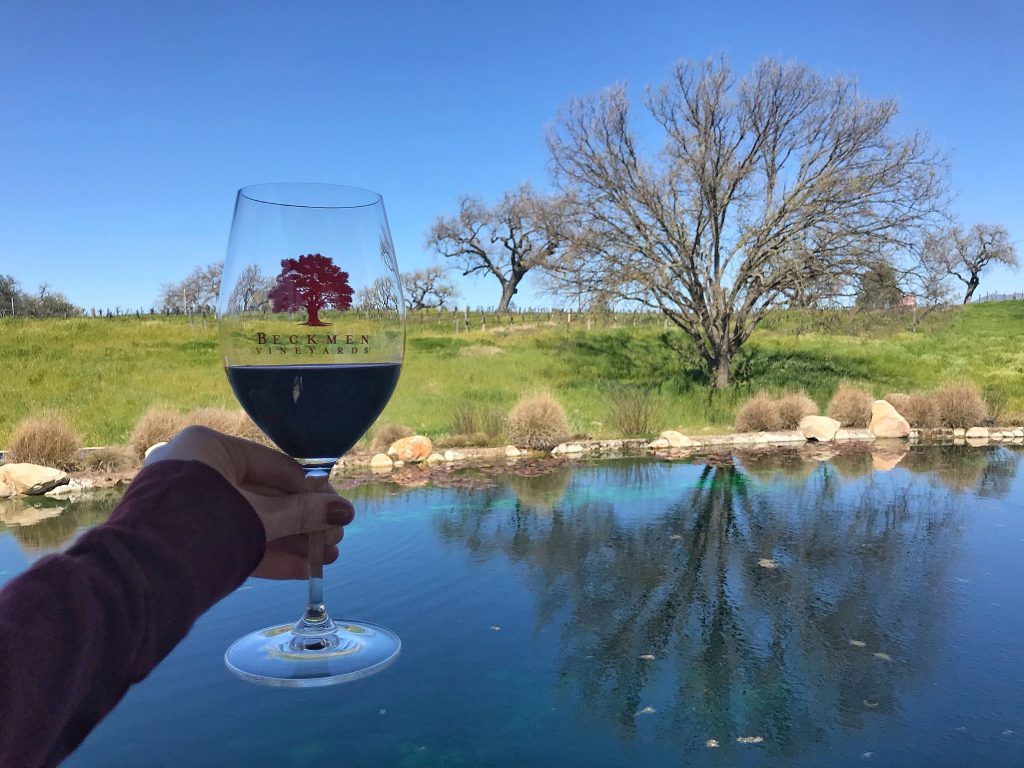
919,411
998,407
851,406
538,423
219,419
635,412
47,439
960,404
386,434
899,401
114,458
157,425
759,414
793,407
470,420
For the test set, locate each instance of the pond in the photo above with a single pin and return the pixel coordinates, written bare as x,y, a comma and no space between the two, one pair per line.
790,611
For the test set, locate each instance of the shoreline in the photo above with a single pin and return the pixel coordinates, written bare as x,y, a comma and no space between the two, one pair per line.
355,469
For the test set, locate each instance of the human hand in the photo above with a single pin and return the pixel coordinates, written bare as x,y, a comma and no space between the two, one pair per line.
289,504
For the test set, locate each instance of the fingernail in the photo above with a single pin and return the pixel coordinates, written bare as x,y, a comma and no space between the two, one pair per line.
338,514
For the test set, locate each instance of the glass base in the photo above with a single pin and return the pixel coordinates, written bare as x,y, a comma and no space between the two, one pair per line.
277,656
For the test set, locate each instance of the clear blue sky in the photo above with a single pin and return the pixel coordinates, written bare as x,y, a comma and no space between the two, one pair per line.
126,127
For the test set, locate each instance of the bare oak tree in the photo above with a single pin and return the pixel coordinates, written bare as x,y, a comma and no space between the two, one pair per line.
964,255
251,291
379,296
196,293
427,288
766,188
520,233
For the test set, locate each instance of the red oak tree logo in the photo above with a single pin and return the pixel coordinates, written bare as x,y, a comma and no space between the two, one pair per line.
311,281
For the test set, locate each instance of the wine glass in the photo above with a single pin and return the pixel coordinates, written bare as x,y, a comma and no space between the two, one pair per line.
312,332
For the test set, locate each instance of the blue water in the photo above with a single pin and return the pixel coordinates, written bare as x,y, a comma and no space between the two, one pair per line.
625,613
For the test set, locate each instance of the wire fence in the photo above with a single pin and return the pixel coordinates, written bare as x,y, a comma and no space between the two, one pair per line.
1000,297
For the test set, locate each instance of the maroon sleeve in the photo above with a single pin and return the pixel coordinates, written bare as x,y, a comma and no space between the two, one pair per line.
78,628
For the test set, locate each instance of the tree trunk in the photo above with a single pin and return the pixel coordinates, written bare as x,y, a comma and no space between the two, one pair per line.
971,285
314,315
507,290
720,373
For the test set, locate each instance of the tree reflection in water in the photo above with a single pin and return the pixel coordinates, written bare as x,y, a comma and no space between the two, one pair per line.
736,607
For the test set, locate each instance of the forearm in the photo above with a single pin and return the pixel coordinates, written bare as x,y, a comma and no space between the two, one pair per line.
79,628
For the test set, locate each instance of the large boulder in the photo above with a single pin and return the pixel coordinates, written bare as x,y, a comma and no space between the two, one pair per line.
886,421
412,449
820,428
675,439
32,479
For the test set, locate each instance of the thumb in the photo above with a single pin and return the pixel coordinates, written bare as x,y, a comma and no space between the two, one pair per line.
300,512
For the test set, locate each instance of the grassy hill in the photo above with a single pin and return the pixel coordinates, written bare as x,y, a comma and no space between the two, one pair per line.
104,373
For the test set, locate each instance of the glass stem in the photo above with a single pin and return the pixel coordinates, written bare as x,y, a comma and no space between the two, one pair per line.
315,620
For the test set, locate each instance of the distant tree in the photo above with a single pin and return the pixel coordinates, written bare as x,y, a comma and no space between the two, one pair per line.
196,293
926,279
45,303
314,282
379,296
879,288
964,255
520,233
252,291
9,295
54,304
427,288
776,186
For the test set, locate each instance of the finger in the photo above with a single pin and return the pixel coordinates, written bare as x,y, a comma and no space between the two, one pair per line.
265,466
300,512
278,564
319,483
298,544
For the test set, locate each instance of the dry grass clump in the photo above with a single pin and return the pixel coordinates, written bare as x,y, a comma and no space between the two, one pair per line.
759,414
472,420
386,434
219,419
920,411
113,458
960,404
899,401
46,439
230,422
156,425
538,423
793,407
470,440
851,406
247,429
635,412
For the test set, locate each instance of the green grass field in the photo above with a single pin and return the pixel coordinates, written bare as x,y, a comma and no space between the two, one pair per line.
104,373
